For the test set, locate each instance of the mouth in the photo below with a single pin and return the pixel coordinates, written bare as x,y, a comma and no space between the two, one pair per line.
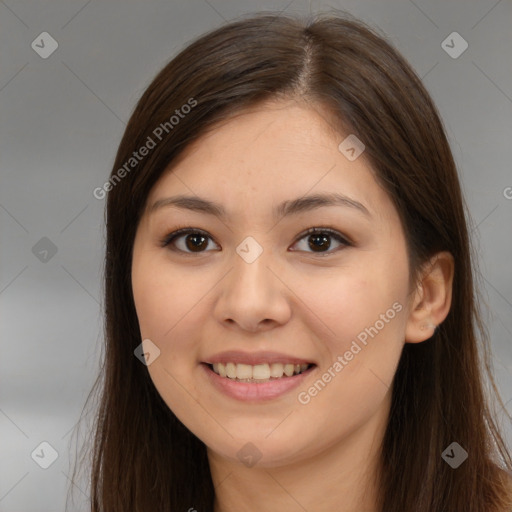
256,377
259,373
256,383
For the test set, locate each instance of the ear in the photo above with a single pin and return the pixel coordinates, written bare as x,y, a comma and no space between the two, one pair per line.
431,299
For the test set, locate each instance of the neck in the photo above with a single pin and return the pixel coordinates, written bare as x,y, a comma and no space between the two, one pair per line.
342,477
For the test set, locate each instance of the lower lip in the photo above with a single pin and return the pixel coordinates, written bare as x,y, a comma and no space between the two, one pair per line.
255,391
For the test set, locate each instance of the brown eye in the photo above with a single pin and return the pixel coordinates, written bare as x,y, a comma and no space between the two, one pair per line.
195,242
319,240
187,240
190,241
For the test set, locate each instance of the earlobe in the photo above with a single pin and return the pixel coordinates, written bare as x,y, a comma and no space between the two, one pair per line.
432,298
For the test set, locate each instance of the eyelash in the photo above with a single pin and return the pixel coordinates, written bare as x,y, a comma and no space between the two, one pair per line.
171,237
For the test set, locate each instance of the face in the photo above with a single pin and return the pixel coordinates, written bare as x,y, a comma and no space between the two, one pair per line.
258,293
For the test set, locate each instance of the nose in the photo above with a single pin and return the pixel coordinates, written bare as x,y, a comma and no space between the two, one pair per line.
253,296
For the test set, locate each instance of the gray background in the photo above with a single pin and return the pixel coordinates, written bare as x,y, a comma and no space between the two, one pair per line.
62,119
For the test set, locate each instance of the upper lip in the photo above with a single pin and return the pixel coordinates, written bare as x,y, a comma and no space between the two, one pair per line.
253,358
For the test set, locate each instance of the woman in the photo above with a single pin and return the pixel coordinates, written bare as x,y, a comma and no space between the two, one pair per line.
290,312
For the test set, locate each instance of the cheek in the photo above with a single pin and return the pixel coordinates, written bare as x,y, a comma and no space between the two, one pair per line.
360,313
162,296
170,306
353,298
164,302
363,346
153,303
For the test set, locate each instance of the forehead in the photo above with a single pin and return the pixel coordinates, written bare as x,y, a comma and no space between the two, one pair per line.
274,152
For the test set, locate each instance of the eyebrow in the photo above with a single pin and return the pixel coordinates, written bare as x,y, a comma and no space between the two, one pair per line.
286,208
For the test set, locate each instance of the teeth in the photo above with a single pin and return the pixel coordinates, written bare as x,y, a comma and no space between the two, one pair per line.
276,370
289,369
243,371
231,370
261,372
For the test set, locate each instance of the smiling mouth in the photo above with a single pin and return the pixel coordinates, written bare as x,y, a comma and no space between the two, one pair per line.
258,373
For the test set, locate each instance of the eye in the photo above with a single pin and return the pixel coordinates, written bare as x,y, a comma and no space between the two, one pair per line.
191,240
195,240
318,239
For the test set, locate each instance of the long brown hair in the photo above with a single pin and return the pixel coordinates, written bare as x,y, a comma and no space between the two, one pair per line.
144,459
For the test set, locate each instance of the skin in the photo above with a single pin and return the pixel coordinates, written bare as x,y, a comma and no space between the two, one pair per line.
320,456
